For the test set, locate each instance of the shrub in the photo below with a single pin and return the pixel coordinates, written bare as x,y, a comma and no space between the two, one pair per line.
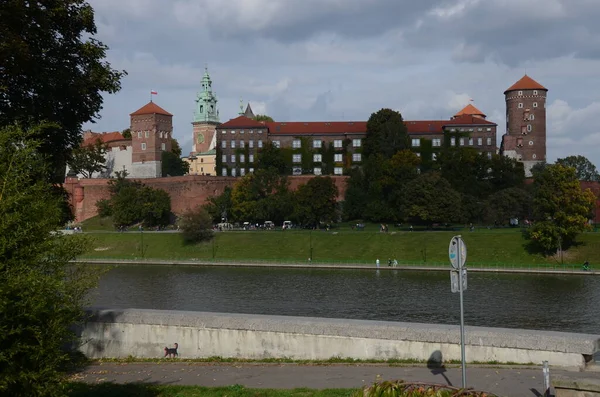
104,208
196,226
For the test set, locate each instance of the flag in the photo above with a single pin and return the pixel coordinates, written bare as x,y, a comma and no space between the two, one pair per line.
153,92
471,100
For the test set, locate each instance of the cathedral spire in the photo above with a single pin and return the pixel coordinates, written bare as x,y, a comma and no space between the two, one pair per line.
206,101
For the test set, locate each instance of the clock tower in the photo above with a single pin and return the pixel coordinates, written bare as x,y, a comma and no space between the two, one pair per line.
206,117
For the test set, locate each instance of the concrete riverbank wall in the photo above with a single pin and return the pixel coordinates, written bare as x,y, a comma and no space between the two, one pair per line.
144,334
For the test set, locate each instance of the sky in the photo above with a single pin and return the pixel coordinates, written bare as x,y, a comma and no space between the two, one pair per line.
317,60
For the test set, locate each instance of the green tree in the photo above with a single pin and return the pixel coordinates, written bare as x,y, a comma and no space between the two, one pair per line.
42,294
196,226
219,206
316,202
126,133
173,165
87,159
53,70
270,156
430,199
263,117
584,168
506,204
175,148
561,209
386,134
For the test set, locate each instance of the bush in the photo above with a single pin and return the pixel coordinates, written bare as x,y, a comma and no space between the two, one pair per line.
104,209
196,226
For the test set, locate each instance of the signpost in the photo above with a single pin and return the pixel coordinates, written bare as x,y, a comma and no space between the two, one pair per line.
457,252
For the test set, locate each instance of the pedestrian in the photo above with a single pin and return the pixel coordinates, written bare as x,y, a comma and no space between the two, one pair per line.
377,262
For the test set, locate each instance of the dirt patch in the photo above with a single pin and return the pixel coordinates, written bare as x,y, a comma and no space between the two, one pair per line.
102,249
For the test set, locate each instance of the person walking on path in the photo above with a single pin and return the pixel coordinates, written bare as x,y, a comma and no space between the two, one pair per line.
377,263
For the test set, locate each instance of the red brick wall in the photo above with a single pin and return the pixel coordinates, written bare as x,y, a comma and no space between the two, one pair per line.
186,191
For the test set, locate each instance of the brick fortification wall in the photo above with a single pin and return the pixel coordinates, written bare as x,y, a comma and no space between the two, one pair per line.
186,191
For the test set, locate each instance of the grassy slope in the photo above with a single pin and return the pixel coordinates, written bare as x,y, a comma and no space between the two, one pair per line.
484,247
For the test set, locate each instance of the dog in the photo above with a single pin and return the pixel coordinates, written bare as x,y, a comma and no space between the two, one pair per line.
171,351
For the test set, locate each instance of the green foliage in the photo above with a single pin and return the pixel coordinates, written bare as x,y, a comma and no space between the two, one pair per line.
196,226
316,202
429,199
400,388
271,156
386,134
53,69
41,293
508,203
85,160
132,202
584,168
560,208
218,207
175,148
104,209
126,133
263,117
173,165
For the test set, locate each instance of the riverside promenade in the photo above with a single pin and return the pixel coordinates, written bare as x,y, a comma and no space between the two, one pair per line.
516,381
557,270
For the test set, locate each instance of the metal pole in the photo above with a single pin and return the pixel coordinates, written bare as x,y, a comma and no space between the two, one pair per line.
462,317
310,242
546,372
142,237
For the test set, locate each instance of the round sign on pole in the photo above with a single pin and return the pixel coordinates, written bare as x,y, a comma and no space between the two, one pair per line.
457,244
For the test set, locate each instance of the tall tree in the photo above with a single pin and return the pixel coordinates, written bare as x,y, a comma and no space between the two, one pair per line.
316,202
88,159
53,70
175,148
270,156
173,165
42,294
561,209
219,207
263,117
584,168
126,133
506,204
386,134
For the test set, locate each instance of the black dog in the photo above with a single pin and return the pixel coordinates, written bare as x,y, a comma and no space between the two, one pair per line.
171,351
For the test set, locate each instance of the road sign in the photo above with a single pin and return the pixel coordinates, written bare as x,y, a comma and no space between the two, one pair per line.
454,287
456,250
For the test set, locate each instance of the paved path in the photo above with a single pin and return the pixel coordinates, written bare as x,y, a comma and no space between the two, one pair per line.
513,382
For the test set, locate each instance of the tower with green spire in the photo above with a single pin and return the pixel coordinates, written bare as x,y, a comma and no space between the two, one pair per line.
206,117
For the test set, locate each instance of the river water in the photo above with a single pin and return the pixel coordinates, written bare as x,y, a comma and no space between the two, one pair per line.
545,302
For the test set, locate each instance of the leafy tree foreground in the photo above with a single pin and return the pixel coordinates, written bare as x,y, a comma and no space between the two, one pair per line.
41,293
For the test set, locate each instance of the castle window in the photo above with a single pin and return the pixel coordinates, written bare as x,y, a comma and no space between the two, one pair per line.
242,144
233,158
224,144
147,134
233,172
535,104
224,171
338,157
242,158
489,141
317,143
535,92
202,160
519,142
338,170
530,143
534,156
224,158
251,144
479,141
250,170
479,129
418,154
224,132
434,156
416,142
296,144
163,146
260,143
356,143
520,93
452,141
143,145
242,171
297,158
139,134
520,105
337,143
529,128
251,158
241,131
233,131
489,129
462,141
470,141
233,144
356,157
489,155
277,144
317,158
531,117
436,142
201,108
317,171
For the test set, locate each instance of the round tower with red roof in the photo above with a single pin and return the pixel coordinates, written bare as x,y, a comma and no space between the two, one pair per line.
525,138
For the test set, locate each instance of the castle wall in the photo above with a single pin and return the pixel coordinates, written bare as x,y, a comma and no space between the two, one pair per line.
186,192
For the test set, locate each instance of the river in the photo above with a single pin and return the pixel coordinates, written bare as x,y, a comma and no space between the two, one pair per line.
545,302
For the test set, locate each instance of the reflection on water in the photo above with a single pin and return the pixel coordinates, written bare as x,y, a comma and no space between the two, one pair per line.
561,303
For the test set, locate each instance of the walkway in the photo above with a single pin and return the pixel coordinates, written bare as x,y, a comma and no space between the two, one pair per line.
513,382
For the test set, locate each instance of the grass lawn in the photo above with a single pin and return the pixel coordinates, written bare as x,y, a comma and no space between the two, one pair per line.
500,247
150,390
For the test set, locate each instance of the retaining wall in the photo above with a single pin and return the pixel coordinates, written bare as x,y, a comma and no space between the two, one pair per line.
145,333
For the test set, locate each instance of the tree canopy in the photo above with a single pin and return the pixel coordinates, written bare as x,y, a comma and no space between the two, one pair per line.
386,134
88,159
54,71
271,157
173,165
263,117
585,170
316,202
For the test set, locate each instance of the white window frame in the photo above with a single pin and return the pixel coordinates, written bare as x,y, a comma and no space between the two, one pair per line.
163,146
251,158
233,144
531,117
470,141
233,173
436,142
296,158
242,158
529,128
147,134
356,142
233,131
338,171
462,141
434,156
224,171
139,134
415,142
489,129
296,144
337,143
535,92
356,157
317,143
260,144
317,158
479,141
251,144
233,158
223,144
317,171
242,144
530,143
242,171
251,170
143,145
520,106
338,157
224,158
535,105
277,144
520,93
453,141
489,141
489,155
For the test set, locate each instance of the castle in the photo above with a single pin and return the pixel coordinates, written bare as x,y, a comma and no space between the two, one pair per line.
317,148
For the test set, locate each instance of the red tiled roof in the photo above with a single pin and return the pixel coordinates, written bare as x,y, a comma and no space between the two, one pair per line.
150,108
317,127
470,110
105,137
242,122
526,83
437,126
